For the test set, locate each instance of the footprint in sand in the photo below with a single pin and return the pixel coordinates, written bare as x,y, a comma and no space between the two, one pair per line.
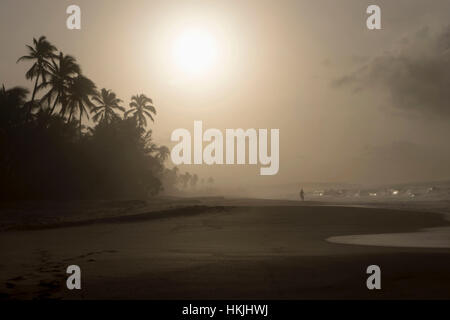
90,254
19,278
10,285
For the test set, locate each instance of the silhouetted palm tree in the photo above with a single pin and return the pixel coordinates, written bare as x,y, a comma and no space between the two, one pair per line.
13,97
61,71
141,106
185,178
162,153
40,53
108,103
78,99
11,102
194,181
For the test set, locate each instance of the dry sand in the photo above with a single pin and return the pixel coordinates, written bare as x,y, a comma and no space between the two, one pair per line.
250,250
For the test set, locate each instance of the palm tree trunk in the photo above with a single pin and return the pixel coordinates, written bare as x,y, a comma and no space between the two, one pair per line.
70,116
54,105
32,97
35,87
80,124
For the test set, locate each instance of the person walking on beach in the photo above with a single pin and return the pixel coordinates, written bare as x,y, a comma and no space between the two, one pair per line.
302,195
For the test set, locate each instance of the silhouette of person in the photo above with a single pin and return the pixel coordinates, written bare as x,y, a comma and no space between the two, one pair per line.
302,195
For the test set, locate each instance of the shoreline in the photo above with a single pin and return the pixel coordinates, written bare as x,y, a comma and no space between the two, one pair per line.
41,216
436,237
433,238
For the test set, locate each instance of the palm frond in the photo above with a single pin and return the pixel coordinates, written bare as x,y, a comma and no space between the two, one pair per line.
150,108
149,115
128,112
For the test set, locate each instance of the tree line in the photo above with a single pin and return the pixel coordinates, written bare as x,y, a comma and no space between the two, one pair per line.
50,148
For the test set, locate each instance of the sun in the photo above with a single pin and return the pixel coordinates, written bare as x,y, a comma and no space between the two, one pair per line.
194,51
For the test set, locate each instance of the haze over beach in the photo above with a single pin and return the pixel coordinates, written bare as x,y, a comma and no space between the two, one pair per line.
118,155
285,68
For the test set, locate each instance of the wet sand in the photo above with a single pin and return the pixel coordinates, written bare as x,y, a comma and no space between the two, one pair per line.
239,252
426,238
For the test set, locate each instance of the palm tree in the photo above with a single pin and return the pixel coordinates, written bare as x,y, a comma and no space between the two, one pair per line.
162,153
61,72
185,178
194,180
13,97
40,53
108,103
79,93
141,106
149,146
11,103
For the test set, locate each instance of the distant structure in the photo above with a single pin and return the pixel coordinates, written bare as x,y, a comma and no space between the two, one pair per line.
302,195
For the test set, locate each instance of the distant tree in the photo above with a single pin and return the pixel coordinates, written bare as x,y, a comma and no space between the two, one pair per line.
175,172
108,103
170,179
40,53
194,181
162,153
122,164
185,179
141,106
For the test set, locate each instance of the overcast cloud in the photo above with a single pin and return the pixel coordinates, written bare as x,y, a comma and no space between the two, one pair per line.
415,73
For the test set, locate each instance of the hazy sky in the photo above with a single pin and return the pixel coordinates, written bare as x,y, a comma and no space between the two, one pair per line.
352,105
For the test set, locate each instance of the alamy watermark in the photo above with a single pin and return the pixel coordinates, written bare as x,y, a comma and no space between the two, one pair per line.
74,280
73,21
374,280
214,153
373,22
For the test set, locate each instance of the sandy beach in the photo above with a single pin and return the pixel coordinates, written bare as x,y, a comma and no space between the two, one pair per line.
252,249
